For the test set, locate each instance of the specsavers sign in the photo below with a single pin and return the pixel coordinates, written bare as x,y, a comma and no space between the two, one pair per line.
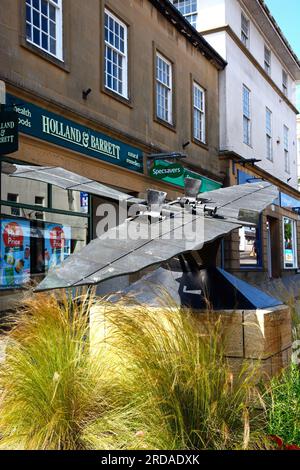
175,173
38,122
160,171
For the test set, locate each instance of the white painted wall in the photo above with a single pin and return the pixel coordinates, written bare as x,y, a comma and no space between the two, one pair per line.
240,70
298,148
258,40
212,14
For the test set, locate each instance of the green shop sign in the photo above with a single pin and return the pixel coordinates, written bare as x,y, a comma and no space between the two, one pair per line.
8,132
175,173
161,172
53,128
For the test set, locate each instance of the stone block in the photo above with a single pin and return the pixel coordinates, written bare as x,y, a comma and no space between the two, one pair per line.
267,332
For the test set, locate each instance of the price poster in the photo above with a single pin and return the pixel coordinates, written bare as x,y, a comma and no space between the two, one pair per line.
57,244
14,253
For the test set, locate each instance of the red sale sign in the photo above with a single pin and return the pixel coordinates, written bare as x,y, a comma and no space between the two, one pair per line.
57,244
57,238
13,235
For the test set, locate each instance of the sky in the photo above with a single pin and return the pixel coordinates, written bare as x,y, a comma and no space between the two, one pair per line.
287,15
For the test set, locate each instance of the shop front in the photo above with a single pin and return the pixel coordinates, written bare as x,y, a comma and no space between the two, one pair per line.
270,250
41,224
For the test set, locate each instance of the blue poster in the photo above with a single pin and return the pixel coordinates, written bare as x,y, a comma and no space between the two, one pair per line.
57,244
14,253
84,202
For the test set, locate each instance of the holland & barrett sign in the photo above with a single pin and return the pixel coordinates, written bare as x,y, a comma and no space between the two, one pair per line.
53,128
8,132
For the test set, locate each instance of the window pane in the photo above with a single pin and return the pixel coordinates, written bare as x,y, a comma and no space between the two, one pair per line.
44,41
52,46
44,24
44,8
199,113
290,249
52,29
115,55
286,138
249,246
164,89
28,13
188,8
28,32
36,4
36,36
36,18
45,18
246,102
268,122
52,11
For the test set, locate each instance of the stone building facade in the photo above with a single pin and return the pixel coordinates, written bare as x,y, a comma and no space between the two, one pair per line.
98,87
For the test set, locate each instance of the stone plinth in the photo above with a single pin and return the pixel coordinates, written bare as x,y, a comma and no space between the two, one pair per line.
259,337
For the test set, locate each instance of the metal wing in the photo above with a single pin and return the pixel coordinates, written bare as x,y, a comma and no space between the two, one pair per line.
68,180
137,244
243,202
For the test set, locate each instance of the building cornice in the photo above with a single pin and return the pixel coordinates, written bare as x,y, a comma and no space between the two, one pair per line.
237,40
172,14
279,31
269,28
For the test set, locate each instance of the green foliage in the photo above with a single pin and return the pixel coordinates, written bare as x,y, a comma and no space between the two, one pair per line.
151,380
182,372
53,389
283,406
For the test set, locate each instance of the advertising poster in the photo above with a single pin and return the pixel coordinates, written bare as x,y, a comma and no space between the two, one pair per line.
84,202
289,254
14,253
57,244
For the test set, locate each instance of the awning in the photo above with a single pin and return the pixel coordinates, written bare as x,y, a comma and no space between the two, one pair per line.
69,181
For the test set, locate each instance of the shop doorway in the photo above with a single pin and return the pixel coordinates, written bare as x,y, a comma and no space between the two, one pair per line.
37,259
273,248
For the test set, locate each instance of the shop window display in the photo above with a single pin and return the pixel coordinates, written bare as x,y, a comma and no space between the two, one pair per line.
289,243
35,237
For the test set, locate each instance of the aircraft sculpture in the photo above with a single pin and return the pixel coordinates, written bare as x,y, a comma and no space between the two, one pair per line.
179,238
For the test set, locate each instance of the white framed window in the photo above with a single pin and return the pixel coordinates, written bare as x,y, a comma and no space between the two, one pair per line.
44,26
269,134
290,243
285,82
245,30
199,113
246,116
188,8
267,60
164,89
116,55
286,149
